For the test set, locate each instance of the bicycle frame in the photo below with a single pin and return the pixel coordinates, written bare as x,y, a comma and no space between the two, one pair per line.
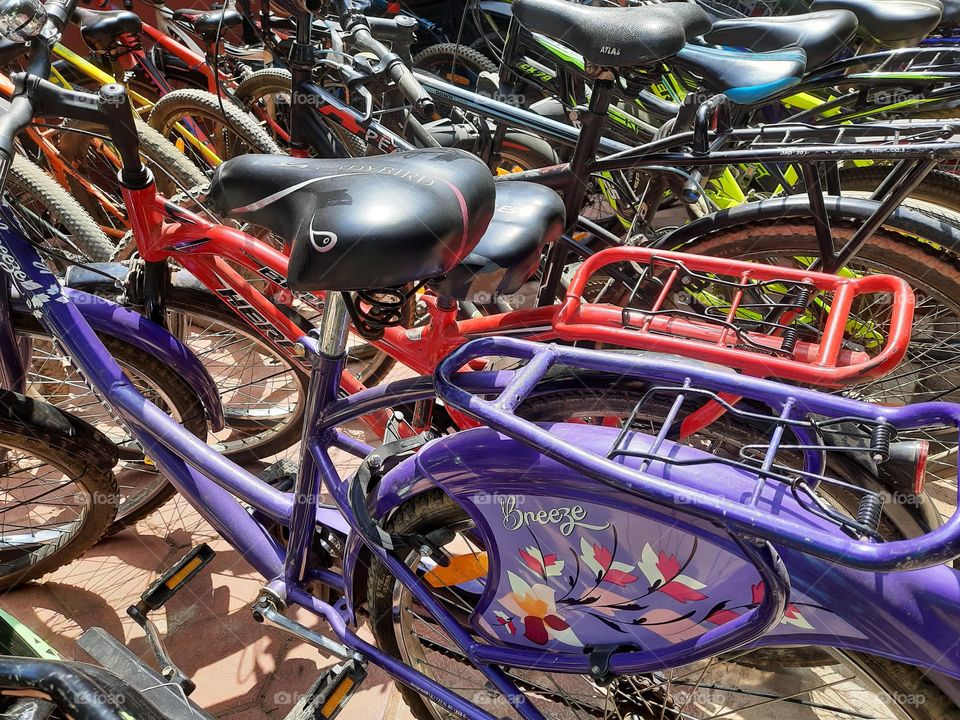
219,489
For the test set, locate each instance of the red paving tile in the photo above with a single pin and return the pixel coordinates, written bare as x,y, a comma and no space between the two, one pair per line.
243,669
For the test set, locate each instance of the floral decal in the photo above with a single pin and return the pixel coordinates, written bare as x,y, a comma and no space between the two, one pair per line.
599,559
664,575
543,565
534,607
613,581
721,614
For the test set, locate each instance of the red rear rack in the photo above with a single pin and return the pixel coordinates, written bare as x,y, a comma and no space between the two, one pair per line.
770,321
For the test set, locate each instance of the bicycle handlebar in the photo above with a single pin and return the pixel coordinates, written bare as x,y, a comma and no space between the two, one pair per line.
21,109
356,22
35,95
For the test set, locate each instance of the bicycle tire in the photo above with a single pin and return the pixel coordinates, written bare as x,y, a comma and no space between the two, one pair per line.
181,401
938,195
190,102
444,60
85,235
457,53
73,448
278,81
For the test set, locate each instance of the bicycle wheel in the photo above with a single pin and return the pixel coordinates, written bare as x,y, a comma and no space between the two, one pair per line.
53,218
931,368
57,486
224,129
267,94
456,64
141,488
938,195
262,392
93,166
854,685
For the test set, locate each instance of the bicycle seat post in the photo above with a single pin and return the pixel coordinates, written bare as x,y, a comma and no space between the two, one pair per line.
592,121
324,388
334,326
301,63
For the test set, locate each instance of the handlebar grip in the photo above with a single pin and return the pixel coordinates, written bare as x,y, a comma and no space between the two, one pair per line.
399,73
411,89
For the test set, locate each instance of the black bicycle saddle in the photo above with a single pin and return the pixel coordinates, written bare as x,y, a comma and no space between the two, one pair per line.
206,23
951,14
890,22
528,216
362,223
613,36
821,34
102,29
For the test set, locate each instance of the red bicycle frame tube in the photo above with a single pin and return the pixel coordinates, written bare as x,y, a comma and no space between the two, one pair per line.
163,231
193,60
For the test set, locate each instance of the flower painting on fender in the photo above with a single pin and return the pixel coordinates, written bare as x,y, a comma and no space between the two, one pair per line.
543,565
605,569
533,608
663,572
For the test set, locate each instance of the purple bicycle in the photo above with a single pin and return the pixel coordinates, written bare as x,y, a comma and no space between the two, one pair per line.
539,570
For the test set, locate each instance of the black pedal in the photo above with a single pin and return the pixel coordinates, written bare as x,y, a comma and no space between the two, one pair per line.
174,579
330,693
281,475
156,596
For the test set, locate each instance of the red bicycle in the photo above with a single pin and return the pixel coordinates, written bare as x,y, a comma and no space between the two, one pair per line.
783,322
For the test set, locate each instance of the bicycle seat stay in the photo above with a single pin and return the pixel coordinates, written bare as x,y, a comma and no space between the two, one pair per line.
365,223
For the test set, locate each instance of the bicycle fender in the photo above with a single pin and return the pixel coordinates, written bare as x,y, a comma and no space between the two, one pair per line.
857,209
905,616
109,318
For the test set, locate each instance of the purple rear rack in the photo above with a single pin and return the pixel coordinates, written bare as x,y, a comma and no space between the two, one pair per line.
744,518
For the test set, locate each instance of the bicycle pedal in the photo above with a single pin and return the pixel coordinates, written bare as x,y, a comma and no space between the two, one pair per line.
174,579
281,475
330,693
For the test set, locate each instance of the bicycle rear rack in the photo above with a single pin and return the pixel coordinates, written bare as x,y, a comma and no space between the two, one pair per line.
727,499
764,320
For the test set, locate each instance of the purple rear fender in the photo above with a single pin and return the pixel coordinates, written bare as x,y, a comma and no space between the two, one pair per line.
555,530
108,318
